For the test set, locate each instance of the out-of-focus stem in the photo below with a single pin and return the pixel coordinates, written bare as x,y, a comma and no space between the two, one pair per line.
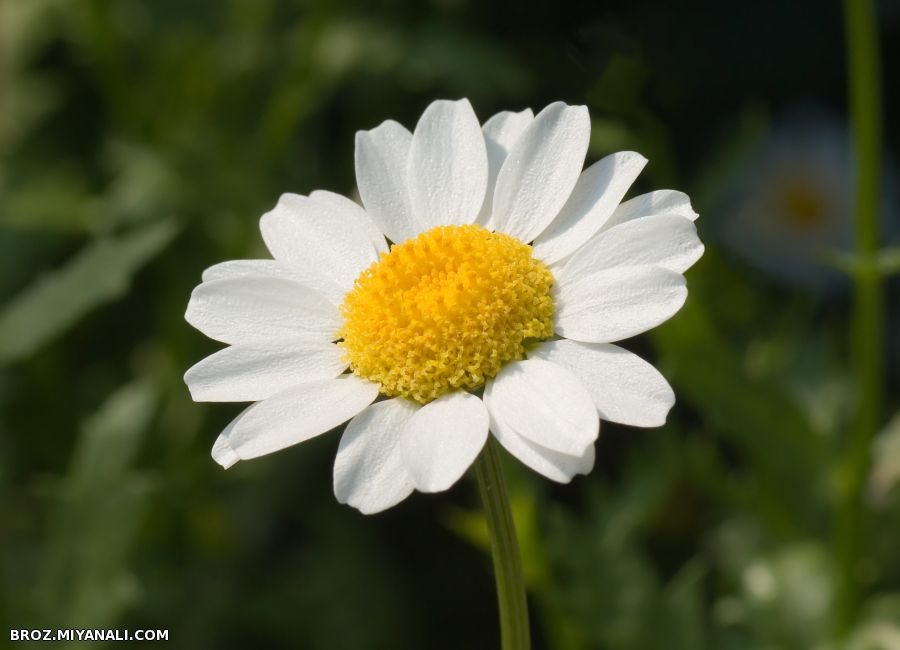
864,75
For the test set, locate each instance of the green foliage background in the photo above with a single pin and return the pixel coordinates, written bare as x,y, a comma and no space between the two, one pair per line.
139,143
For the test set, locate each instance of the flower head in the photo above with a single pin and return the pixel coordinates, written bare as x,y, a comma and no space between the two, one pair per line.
510,274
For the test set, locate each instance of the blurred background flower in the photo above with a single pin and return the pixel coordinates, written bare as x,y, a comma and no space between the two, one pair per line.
140,142
789,208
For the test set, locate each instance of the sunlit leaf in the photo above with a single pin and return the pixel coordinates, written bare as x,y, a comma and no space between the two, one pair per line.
85,579
99,273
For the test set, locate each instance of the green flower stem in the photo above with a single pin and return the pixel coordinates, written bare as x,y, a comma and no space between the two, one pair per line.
864,75
504,550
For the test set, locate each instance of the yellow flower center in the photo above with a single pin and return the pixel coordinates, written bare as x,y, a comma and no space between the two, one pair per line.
444,311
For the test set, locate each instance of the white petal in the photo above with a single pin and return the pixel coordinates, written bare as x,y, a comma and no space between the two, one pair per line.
369,473
447,169
250,372
667,241
443,439
316,238
353,214
540,171
652,203
381,159
275,269
624,387
596,195
250,309
552,464
244,268
500,134
222,452
544,403
617,303
298,414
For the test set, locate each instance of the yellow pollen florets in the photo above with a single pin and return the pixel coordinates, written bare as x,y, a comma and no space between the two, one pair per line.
444,311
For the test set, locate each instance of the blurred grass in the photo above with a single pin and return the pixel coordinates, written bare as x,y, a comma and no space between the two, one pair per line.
139,143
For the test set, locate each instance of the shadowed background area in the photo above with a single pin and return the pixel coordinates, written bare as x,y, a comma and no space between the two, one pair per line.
141,141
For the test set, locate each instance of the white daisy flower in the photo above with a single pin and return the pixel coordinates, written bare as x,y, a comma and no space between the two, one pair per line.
511,273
